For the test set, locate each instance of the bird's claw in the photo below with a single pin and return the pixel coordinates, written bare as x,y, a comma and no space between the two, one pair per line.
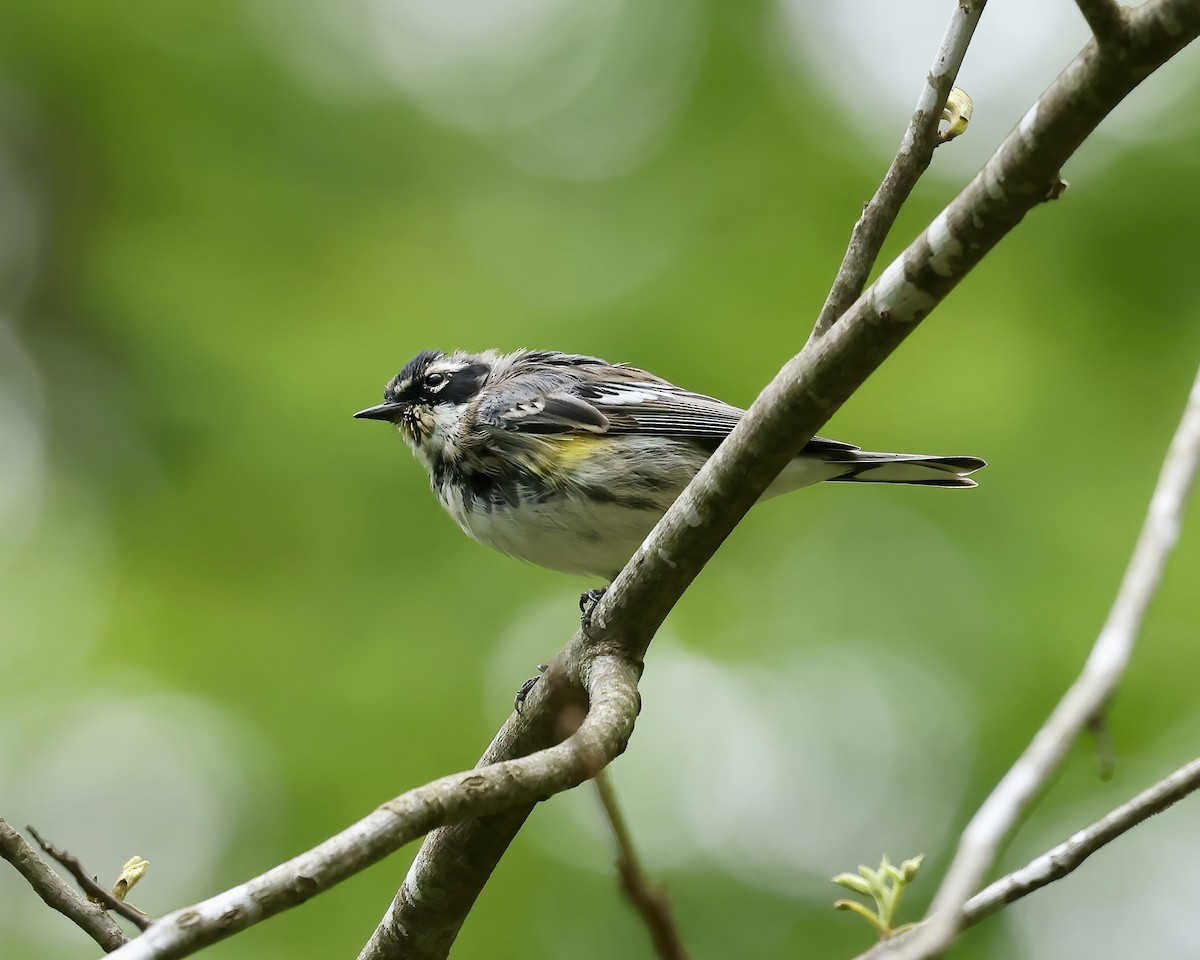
527,688
587,605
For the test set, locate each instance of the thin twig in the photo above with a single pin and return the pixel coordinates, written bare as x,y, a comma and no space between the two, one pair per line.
57,893
912,159
89,884
1063,859
649,901
1106,18
983,837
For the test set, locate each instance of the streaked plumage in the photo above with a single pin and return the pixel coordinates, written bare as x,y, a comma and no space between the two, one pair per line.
567,461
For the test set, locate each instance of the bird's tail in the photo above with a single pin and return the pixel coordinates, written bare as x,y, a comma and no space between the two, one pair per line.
862,466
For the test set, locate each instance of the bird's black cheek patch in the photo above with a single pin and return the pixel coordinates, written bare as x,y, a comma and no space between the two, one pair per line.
463,385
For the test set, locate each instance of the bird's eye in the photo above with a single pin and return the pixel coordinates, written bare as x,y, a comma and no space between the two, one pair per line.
435,381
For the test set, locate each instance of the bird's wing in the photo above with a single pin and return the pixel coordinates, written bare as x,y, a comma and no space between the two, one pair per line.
665,410
627,402
660,409
545,412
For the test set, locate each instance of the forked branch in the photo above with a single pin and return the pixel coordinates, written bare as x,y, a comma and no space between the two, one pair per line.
912,159
91,918
601,735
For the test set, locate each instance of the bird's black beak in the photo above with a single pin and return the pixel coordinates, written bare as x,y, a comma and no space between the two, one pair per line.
384,411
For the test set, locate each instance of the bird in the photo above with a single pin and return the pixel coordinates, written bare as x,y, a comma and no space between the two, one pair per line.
567,461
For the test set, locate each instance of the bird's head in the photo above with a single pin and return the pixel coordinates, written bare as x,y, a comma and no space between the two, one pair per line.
427,398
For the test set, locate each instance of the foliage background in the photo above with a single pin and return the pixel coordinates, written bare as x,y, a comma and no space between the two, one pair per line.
232,620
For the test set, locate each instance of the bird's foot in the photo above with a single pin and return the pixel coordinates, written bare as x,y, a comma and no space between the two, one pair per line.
527,688
587,604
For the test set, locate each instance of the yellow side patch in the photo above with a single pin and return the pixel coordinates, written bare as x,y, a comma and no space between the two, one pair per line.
574,448
556,459
559,457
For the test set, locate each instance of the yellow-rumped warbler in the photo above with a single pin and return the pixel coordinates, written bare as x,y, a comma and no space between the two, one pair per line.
568,462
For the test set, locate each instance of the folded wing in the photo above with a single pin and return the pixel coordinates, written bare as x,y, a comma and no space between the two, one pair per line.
634,402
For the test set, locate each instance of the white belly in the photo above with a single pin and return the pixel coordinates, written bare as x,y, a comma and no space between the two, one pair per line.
572,534
565,533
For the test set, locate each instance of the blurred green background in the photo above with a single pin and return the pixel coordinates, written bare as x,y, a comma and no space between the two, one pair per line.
233,620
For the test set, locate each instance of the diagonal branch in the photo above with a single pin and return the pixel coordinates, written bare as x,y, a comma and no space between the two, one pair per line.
980,843
91,918
450,870
916,151
601,736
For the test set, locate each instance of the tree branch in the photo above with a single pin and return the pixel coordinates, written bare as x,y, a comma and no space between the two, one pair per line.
1107,18
1088,695
1061,860
650,903
57,894
601,736
451,869
1069,855
90,886
916,151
